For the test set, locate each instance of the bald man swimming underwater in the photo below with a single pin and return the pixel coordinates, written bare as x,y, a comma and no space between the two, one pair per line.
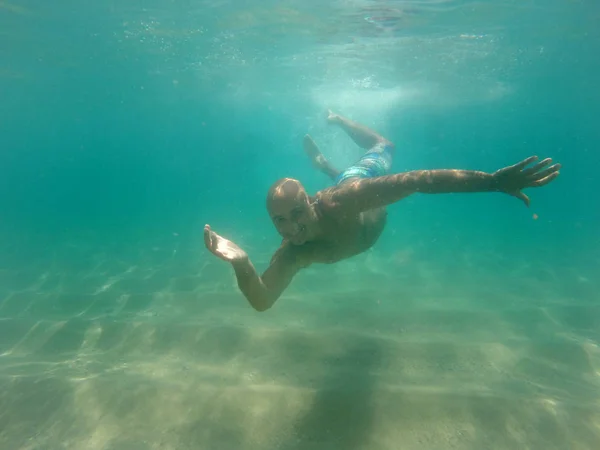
348,218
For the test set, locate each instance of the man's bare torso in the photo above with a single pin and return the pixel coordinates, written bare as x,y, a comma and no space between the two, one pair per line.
342,236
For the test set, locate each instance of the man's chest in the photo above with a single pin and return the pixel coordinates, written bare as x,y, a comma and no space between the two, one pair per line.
344,243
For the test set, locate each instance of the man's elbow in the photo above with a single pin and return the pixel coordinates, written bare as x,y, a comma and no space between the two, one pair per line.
261,305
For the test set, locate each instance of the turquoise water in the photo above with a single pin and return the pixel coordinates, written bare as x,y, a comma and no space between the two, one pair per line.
474,323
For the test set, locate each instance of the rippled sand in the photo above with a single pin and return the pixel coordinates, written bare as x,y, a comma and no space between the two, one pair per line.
166,354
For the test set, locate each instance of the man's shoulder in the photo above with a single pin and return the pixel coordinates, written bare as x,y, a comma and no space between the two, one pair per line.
328,191
325,199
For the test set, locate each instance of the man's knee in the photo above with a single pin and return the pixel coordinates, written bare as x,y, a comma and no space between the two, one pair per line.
384,145
388,144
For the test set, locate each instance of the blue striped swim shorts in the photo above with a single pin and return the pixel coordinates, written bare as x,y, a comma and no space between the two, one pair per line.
375,163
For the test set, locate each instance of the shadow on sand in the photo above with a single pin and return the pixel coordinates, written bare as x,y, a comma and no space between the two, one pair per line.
341,415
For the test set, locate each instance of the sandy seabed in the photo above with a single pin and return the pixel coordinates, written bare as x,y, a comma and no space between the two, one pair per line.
372,354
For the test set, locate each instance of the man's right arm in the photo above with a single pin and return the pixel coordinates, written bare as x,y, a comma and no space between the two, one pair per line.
369,193
263,292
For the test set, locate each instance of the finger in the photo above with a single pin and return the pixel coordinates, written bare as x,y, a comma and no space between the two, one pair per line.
544,173
544,181
523,163
209,239
537,167
524,198
516,167
207,236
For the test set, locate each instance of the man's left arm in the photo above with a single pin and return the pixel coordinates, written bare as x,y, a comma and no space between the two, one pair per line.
369,193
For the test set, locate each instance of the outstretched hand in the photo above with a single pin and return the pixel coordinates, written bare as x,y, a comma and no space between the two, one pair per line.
223,248
511,180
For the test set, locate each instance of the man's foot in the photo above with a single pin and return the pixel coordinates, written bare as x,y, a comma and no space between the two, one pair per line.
313,152
332,117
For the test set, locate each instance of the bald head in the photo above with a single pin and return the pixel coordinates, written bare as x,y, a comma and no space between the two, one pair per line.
290,210
286,191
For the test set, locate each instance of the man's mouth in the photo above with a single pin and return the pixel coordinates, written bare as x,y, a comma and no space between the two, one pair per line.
300,234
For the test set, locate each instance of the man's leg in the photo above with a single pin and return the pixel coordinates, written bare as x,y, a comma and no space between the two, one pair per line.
360,134
317,158
376,162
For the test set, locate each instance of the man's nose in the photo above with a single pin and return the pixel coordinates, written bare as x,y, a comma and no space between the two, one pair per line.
291,228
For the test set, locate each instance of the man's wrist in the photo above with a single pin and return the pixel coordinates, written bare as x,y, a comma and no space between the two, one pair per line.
242,265
494,185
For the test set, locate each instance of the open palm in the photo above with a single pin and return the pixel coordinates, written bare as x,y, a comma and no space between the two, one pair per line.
222,248
511,180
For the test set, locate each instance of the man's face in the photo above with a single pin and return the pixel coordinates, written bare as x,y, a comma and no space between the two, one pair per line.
292,215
